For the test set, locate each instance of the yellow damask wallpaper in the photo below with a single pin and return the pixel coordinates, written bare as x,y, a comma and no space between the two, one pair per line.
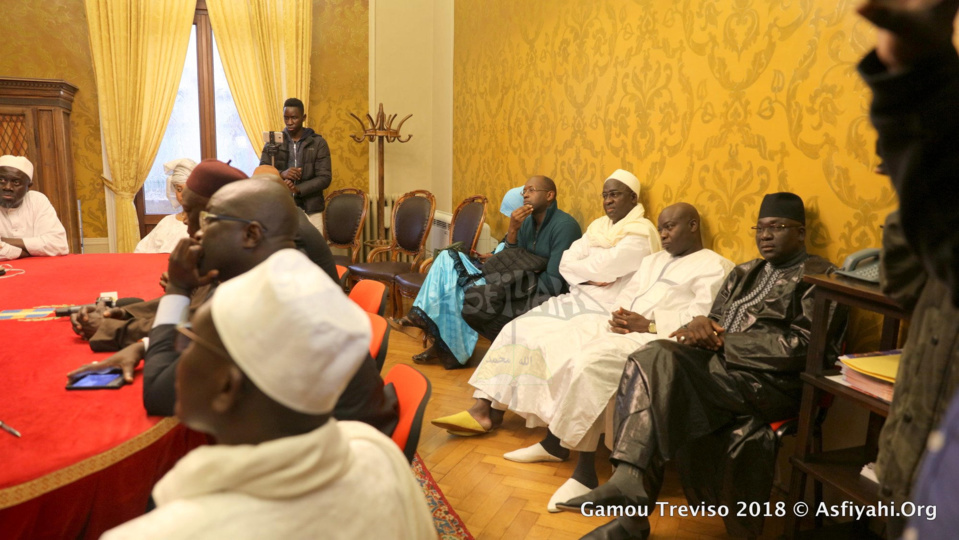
48,40
713,103
339,85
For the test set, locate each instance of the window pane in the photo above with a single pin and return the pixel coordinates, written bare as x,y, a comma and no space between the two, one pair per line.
182,137
231,140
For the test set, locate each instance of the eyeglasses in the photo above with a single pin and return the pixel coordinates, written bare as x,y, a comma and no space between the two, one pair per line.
775,229
532,190
186,335
611,194
206,218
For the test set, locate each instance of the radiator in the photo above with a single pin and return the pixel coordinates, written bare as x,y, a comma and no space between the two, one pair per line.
440,234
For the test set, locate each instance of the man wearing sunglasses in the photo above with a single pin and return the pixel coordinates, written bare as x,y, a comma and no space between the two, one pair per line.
719,384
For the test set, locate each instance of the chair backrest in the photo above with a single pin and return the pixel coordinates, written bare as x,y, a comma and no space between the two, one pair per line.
413,391
468,219
343,219
370,295
412,221
380,341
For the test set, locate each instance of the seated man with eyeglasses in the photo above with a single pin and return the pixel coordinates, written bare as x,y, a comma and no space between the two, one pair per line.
240,225
707,398
538,227
28,222
113,329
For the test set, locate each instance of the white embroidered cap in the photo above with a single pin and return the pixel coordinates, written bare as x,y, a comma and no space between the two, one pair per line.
19,163
292,331
627,178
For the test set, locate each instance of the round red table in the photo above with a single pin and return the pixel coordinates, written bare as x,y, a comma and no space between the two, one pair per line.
87,460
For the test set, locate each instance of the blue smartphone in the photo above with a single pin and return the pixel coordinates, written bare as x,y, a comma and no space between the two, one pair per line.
105,379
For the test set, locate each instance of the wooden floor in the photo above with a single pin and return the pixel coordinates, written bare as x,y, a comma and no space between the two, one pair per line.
501,499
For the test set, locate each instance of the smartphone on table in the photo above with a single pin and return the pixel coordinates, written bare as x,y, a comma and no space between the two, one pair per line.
105,379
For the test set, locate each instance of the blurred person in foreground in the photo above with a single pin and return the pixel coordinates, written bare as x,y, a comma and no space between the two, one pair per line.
263,364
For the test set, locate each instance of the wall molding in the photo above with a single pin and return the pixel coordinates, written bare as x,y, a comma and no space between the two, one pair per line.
96,245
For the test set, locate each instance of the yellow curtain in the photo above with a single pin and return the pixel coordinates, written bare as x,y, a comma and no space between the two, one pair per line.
265,49
138,51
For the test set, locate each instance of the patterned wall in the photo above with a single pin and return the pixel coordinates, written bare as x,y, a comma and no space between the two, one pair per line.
339,85
713,103
49,40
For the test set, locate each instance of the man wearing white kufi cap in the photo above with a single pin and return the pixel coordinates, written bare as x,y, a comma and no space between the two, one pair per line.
28,222
262,368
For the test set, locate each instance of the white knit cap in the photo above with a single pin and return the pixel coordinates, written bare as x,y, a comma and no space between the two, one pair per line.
627,178
292,331
19,163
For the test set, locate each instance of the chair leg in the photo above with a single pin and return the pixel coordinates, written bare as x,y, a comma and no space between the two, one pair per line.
394,296
398,314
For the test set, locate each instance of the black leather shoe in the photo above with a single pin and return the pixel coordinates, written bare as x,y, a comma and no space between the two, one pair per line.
603,496
614,531
429,356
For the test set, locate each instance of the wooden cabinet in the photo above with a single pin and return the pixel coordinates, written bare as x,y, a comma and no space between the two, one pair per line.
35,122
839,469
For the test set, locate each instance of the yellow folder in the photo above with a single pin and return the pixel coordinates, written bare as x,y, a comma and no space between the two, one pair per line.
881,367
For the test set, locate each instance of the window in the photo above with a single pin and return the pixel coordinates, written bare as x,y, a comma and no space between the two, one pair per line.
182,137
204,123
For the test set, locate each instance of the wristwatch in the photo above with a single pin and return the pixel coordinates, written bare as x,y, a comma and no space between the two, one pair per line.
652,327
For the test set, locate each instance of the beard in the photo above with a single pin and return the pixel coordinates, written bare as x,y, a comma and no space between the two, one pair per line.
10,204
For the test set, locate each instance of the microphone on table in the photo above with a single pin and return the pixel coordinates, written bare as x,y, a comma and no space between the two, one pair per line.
107,301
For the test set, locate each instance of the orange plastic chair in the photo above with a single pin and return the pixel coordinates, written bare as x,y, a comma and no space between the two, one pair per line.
370,295
381,339
413,391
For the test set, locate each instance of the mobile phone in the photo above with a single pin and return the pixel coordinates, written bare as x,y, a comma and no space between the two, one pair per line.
105,379
273,137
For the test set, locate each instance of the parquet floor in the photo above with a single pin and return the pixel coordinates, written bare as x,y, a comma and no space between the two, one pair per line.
501,499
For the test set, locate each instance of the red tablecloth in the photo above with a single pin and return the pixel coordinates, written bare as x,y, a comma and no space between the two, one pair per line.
87,459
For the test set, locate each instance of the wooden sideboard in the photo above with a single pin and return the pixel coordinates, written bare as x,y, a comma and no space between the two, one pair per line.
35,122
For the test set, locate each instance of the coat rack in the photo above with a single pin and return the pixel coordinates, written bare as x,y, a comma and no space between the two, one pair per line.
380,130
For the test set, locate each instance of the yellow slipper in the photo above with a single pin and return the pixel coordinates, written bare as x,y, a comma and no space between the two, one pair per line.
461,422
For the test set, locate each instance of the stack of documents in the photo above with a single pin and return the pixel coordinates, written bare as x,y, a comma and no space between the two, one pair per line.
872,373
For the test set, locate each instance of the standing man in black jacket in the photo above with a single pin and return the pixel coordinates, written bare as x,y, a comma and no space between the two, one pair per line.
303,161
